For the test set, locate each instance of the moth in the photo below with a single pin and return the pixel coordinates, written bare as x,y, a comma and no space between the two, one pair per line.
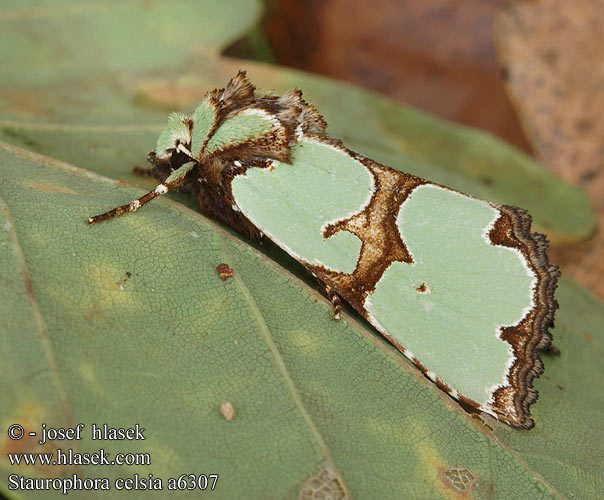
460,286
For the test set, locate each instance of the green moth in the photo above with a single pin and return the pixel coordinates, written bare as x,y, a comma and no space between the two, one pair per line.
459,285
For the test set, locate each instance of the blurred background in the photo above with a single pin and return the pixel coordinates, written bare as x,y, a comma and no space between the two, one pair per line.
531,73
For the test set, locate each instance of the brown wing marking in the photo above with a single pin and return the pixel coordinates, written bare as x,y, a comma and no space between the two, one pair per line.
376,227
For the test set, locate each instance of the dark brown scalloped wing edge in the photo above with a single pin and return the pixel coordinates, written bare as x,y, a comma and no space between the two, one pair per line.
513,229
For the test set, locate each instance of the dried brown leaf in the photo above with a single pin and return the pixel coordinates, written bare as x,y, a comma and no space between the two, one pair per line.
552,52
436,55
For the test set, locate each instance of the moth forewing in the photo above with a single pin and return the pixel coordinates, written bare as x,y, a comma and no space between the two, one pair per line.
459,285
431,270
304,218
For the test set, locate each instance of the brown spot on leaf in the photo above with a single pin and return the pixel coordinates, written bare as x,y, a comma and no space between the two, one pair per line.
224,271
125,279
325,485
30,416
458,478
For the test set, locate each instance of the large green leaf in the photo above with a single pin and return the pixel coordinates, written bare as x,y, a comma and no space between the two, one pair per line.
128,322
95,93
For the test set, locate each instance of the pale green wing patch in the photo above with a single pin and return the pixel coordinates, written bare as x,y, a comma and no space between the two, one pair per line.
244,126
175,132
292,204
448,307
204,118
180,172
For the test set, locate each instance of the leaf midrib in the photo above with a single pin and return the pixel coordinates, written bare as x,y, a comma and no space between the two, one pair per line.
38,318
279,361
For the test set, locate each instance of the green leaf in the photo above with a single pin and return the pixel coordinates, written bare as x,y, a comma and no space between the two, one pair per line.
97,91
128,322
47,44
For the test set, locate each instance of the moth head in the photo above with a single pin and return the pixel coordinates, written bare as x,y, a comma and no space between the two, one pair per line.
178,131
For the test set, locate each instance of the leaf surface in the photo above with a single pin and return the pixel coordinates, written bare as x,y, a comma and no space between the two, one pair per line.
129,322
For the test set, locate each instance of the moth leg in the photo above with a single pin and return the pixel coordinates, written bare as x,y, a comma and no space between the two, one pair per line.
143,172
334,298
175,179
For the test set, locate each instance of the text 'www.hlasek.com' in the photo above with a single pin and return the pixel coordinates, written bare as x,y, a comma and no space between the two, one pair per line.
52,459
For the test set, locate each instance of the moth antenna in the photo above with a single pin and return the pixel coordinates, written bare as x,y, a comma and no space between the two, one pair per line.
175,180
133,206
